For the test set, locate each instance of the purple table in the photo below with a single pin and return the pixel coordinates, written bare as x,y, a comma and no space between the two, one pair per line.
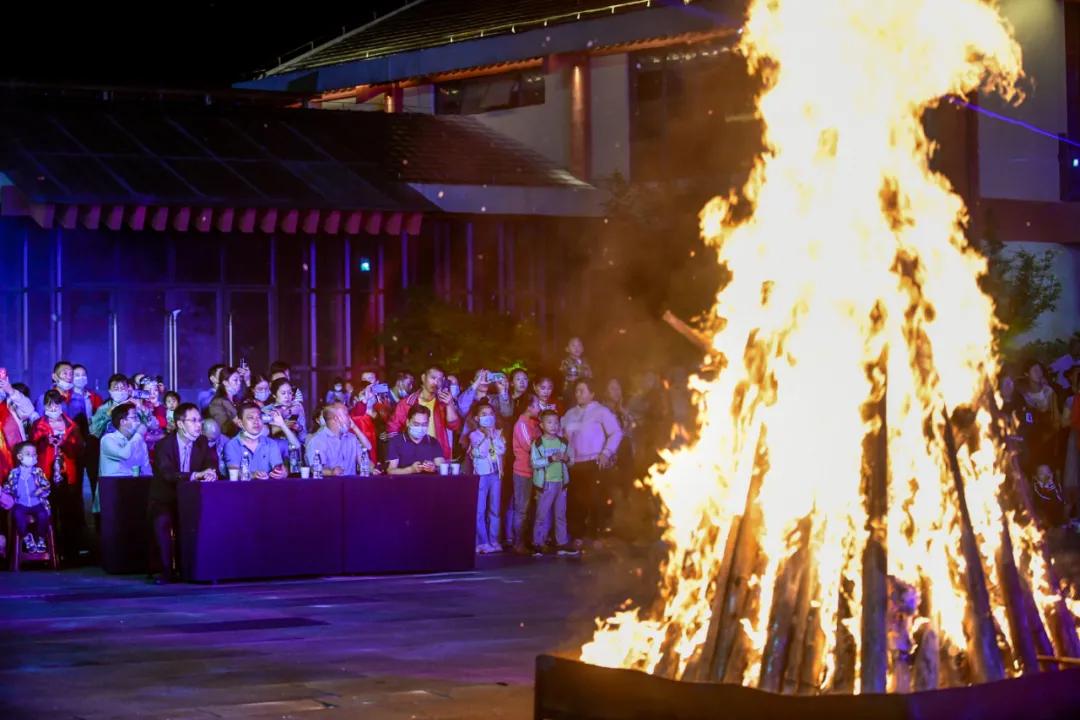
125,524
410,523
260,529
332,526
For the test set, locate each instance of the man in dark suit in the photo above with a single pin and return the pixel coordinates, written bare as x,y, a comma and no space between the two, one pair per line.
182,456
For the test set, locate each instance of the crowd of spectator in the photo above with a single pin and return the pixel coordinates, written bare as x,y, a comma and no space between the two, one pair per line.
553,452
1040,404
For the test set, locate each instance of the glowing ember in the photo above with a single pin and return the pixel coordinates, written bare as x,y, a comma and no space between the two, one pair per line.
854,306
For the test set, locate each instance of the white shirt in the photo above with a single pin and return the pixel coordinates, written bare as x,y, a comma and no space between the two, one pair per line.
121,455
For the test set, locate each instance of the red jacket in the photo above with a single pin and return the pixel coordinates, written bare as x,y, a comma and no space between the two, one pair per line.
397,423
366,423
70,446
526,430
10,436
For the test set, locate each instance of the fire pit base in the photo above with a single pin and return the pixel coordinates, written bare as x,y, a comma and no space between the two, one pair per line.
569,689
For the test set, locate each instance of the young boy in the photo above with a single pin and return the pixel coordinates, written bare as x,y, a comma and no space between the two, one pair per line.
550,462
486,448
29,488
574,367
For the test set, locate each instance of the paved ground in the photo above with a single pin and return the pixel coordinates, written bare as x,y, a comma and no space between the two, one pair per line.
80,644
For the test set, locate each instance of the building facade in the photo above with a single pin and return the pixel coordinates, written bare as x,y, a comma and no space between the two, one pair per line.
632,88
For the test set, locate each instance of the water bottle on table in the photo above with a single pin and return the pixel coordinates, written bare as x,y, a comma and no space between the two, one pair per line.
365,463
245,467
316,466
294,460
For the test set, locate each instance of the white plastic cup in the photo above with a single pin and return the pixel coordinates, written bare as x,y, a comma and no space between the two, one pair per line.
234,474
444,469
455,468
305,473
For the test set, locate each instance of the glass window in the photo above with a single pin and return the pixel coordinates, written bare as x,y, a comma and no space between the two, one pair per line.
90,257
251,329
11,254
247,259
86,333
330,263
292,318
198,258
10,337
292,262
141,325
198,341
330,340
493,92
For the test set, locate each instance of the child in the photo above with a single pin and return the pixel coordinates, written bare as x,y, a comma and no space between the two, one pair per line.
172,401
29,487
486,448
574,367
550,462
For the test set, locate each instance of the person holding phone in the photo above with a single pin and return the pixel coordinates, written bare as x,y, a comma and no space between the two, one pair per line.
442,411
415,450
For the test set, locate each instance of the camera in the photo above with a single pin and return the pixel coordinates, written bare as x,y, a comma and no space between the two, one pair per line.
496,376
139,395
380,388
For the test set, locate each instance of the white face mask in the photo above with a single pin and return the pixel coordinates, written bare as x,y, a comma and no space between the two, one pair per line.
80,382
64,385
54,414
455,391
337,388
118,396
249,436
27,461
486,421
417,432
262,396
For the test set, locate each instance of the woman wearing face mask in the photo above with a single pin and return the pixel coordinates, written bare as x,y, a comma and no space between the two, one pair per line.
260,390
59,446
223,407
337,393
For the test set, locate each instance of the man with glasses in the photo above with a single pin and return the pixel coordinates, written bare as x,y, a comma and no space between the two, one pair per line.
182,456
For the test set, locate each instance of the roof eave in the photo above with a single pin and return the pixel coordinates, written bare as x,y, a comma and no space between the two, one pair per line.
573,37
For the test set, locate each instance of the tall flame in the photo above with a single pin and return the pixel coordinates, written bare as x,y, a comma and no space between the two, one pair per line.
852,285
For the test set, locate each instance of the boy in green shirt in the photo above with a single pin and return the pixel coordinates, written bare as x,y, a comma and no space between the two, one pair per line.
550,462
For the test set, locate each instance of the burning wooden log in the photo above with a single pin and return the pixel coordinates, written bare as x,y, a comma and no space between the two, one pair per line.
1021,635
925,668
698,670
805,623
875,599
1063,624
979,623
778,643
694,336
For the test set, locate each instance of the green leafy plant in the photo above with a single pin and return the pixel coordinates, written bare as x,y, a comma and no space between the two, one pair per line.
426,330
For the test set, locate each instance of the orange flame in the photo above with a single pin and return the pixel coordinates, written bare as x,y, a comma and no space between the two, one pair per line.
852,282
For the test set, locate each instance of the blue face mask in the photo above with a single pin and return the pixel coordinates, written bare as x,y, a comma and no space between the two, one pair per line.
262,395
486,421
417,432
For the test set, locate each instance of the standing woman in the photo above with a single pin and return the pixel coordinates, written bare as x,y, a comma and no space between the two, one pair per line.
1041,418
223,407
59,446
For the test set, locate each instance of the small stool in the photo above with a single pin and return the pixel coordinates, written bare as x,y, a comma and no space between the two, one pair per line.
17,555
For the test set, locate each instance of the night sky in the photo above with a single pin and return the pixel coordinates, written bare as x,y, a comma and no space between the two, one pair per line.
164,44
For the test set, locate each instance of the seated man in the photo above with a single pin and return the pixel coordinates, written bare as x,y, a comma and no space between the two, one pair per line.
182,456
414,451
264,455
124,451
338,449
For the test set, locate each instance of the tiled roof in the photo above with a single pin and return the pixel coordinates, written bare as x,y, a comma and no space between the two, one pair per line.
258,157
430,23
